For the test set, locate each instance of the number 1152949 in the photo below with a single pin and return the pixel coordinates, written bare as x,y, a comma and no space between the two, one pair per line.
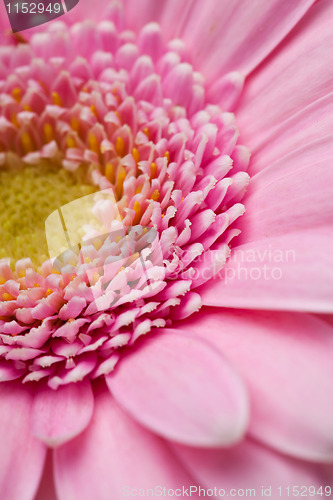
304,491
33,8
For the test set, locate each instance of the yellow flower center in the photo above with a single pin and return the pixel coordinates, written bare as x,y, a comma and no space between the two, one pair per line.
28,196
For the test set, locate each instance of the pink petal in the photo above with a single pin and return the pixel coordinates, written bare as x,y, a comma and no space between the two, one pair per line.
170,14
182,389
178,84
79,370
248,31
190,304
226,90
9,372
46,490
250,465
151,41
286,361
112,455
73,308
65,88
308,127
292,194
149,89
267,101
291,272
58,416
22,457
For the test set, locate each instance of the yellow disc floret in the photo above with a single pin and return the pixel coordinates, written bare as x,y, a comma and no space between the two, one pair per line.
28,196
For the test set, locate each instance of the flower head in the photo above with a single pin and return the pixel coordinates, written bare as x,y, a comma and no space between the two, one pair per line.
124,183
130,116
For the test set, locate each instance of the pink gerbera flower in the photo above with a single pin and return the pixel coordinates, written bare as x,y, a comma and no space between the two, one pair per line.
180,337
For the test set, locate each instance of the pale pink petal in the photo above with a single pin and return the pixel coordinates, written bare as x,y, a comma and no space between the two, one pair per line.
22,455
286,361
182,389
73,308
291,272
292,194
312,123
288,82
226,90
170,14
9,372
58,416
251,466
112,455
225,36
